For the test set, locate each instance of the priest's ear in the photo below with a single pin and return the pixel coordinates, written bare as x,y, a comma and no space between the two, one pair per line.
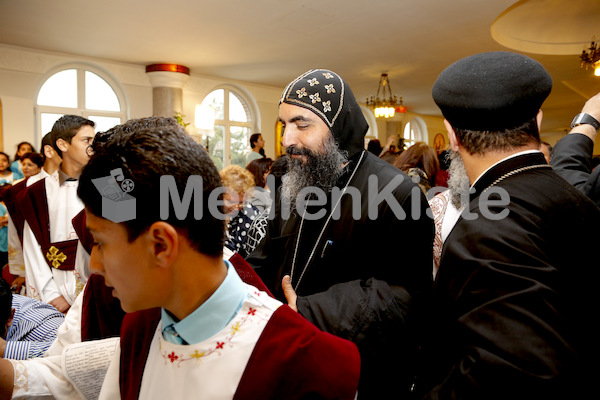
454,145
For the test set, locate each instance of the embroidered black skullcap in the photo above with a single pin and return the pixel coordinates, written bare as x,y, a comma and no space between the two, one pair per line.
326,94
491,91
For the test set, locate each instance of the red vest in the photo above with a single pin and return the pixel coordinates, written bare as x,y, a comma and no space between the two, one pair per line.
291,360
59,255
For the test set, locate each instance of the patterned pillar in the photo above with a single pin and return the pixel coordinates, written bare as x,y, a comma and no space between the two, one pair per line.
167,82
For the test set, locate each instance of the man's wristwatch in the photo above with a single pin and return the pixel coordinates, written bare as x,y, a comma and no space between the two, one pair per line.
585,119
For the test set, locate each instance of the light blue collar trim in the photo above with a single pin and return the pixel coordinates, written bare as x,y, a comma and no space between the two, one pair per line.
214,314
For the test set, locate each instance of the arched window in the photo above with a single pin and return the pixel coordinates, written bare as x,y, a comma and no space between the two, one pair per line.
80,90
234,122
415,131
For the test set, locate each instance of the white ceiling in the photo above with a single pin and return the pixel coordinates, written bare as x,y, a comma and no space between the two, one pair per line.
272,41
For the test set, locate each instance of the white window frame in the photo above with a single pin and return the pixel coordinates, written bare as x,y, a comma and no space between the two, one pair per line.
418,133
81,109
251,109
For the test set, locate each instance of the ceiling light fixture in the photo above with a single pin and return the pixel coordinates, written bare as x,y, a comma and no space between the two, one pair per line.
591,57
387,107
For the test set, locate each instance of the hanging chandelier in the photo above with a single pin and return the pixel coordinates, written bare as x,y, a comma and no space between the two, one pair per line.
590,58
388,106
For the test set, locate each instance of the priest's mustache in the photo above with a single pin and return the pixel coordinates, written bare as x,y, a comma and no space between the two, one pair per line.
292,150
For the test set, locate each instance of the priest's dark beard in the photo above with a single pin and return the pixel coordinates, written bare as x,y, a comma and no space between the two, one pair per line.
458,180
320,170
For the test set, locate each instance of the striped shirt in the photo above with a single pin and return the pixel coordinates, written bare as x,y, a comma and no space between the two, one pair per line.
33,329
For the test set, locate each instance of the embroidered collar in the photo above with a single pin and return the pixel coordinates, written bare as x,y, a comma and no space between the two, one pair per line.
521,161
212,316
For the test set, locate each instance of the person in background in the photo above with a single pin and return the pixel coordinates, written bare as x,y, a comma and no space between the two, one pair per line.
510,307
6,175
17,167
260,196
257,144
546,148
3,226
55,262
374,146
28,326
572,156
31,164
420,162
51,163
239,183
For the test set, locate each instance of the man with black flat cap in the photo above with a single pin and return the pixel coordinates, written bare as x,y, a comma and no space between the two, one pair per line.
355,261
516,293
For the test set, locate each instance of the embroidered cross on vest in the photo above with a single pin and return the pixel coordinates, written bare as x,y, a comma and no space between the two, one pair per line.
58,255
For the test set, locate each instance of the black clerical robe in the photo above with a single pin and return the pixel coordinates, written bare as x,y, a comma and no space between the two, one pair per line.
365,272
515,298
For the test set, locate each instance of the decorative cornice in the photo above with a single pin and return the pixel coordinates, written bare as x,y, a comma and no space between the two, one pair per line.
168,68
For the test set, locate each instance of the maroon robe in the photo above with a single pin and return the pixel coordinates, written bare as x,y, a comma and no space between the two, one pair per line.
292,359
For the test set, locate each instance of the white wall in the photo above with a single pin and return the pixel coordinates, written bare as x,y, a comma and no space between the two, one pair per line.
22,71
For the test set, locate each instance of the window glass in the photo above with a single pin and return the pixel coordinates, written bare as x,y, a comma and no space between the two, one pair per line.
60,90
216,146
239,145
99,95
230,115
47,120
104,123
237,111
216,100
101,99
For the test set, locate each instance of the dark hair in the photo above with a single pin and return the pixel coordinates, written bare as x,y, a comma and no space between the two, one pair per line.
144,156
46,141
258,168
131,126
254,139
374,146
19,147
278,169
5,303
35,158
66,127
419,155
5,155
481,142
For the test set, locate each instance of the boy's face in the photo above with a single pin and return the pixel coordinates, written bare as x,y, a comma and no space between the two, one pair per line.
125,266
76,151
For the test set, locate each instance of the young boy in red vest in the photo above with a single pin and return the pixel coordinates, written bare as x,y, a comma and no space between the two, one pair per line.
194,328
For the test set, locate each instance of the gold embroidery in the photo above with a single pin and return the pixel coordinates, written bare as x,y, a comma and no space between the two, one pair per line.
315,97
55,256
327,106
327,75
197,355
330,88
313,82
301,93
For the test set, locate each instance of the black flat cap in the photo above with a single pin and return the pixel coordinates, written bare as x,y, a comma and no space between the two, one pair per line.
491,91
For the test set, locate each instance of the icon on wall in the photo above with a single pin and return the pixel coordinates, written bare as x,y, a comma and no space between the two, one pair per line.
439,143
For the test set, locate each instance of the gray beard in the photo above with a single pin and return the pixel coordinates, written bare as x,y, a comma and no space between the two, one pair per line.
320,171
458,181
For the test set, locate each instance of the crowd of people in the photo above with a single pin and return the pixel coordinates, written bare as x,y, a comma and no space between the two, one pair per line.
332,272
